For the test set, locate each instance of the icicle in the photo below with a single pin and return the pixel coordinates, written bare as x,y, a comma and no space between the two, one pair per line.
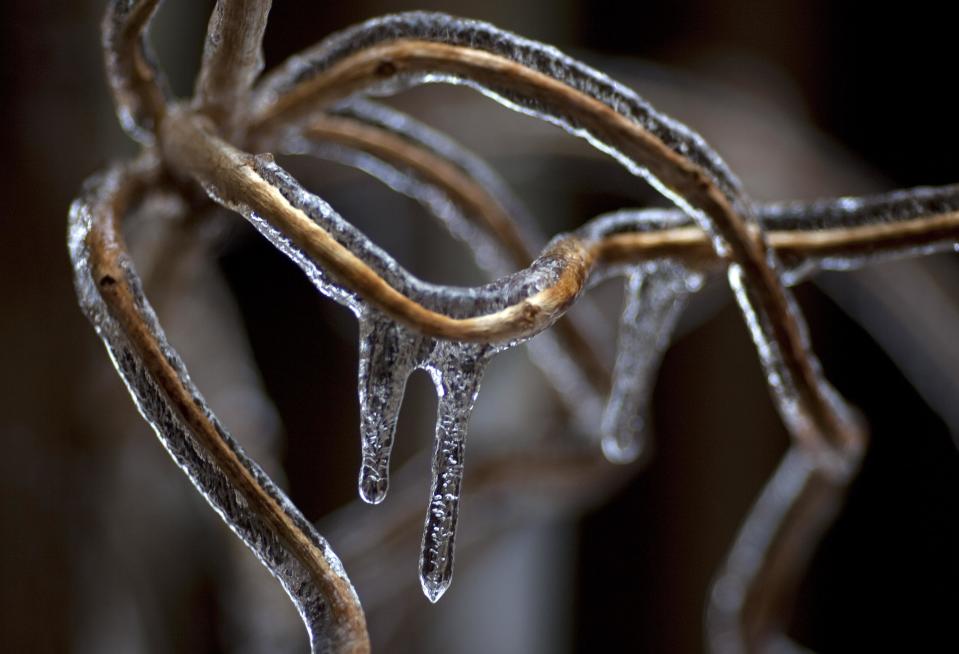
387,357
655,297
456,370
573,386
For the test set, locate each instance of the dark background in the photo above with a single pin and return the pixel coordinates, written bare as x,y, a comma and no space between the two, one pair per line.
879,83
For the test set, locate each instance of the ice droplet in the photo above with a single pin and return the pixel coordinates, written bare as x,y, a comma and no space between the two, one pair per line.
655,295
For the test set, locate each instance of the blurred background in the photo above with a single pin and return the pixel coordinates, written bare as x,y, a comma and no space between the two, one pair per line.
106,548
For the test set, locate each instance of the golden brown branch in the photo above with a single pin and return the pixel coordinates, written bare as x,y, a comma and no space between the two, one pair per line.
191,148
116,286
232,58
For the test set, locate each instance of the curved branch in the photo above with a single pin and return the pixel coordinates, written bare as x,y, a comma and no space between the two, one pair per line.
520,305
254,508
348,268
472,202
139,90
751,596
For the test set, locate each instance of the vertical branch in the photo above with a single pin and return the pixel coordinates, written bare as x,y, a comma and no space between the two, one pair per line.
232,58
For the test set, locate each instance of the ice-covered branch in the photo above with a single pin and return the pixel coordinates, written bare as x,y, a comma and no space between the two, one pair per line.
139,88
254,508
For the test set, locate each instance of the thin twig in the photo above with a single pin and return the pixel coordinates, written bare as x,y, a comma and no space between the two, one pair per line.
751,597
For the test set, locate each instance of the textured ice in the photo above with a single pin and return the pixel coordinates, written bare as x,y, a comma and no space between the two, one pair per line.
482,36
897,207
655,296
389,350
579,395
456,370
456,367
380,398
178,437
878,210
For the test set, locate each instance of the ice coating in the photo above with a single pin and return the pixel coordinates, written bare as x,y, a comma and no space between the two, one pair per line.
887,209
896,209
457,370
442,28
457,367
454,301
466,302
895,206
488,252
573,386
746,555
655,295
179,435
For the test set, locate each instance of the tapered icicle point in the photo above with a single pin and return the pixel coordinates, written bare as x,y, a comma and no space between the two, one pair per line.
386,360
457,378
655,295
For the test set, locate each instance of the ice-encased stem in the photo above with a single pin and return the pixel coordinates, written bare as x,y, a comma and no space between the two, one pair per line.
457,375
112,298
655,295
139,89
387,353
